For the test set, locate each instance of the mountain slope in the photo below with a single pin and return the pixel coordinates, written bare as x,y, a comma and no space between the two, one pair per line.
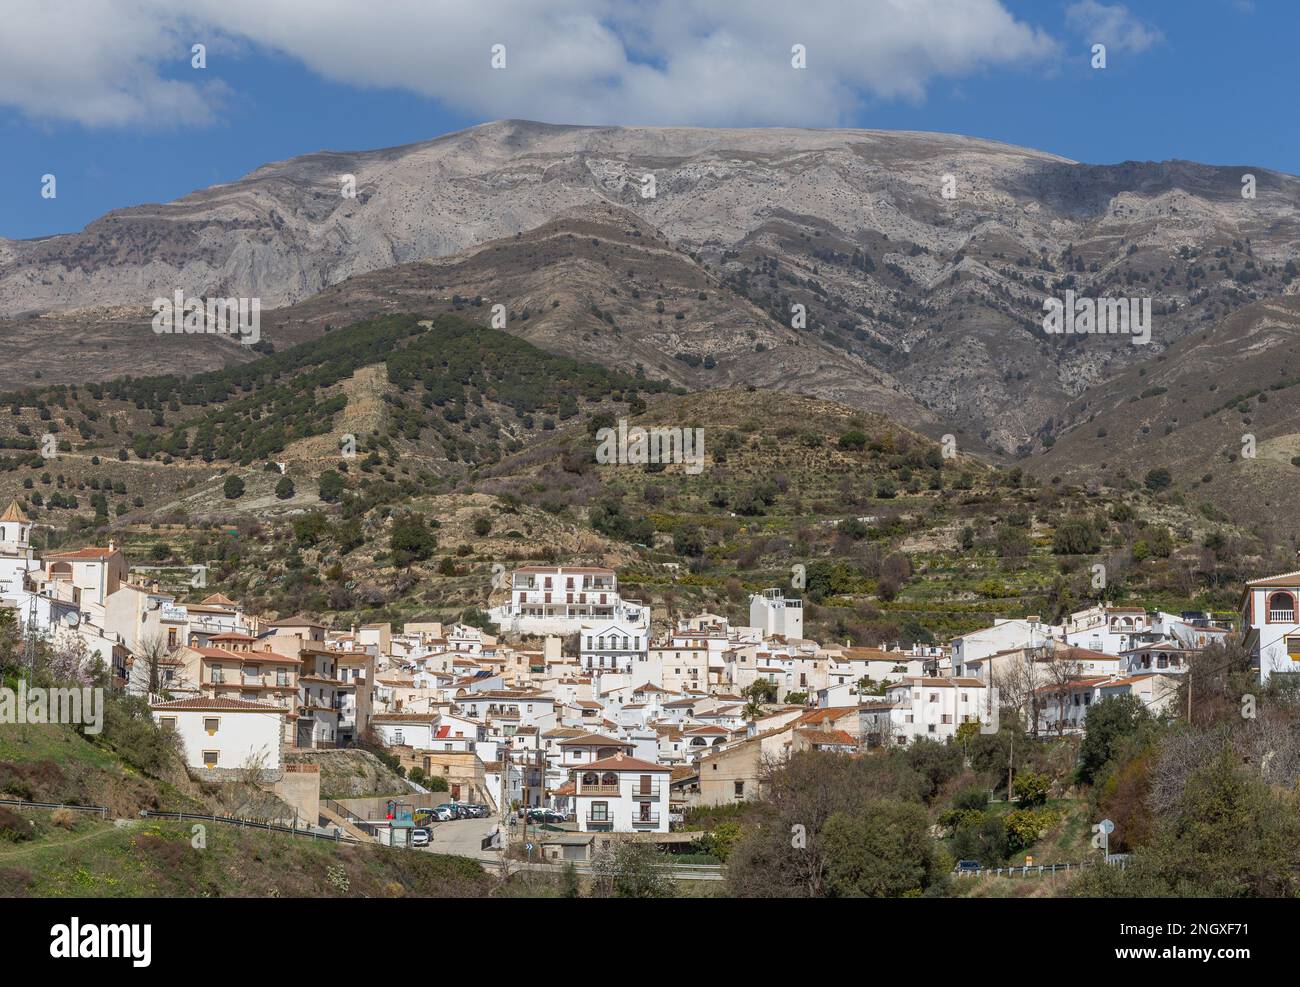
935,298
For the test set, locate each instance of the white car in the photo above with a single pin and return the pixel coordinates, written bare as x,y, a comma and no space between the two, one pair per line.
419,837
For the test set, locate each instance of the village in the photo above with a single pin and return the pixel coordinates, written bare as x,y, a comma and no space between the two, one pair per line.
596,724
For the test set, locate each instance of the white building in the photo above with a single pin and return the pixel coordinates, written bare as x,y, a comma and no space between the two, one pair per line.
612,646
772,613
561,599
622,795
16,555
225,734
1004,635
924,707
1270,624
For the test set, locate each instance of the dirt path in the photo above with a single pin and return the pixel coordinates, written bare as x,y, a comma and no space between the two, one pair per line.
37,847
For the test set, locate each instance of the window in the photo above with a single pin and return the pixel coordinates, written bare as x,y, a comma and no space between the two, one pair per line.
1293,647
210,759
600,812
210,724
739,788
169,722
216,674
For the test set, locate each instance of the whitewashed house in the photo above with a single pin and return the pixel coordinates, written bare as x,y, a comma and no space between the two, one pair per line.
1270,624
622,794
225,734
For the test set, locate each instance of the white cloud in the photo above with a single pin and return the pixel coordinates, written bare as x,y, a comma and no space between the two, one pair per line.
1114,26
613,61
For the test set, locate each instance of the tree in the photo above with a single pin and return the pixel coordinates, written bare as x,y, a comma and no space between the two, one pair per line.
570,883
1062,673
411,540
233,487
1076,536
331,487
631,870
783,852
936,763
151,656
284,489
1031,788
1157,479
885,852
1107,724
1228,835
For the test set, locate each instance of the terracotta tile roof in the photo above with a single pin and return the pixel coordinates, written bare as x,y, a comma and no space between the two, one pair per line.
211,704
299,620
13,513
839,738
621,763
84,553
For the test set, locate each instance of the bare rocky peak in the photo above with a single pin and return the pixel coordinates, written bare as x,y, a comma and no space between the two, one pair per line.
932,299
284,231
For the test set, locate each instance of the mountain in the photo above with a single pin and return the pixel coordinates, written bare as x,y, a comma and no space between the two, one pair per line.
921,306
482,449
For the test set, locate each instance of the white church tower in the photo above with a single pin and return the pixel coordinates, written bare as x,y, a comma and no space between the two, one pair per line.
16,556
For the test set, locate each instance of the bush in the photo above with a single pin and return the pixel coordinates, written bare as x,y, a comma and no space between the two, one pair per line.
974,797
14,827
64,819
1031,788
1026,826
233,488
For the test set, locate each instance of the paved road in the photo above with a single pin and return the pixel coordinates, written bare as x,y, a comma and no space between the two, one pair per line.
461,837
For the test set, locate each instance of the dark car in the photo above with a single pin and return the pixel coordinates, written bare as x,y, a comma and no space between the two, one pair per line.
545,816
967,866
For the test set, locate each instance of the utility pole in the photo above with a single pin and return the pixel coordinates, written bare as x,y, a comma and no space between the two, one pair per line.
1011,758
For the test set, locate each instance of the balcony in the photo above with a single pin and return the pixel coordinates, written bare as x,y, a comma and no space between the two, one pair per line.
646,791
1281,616
599,790
603,819
646,819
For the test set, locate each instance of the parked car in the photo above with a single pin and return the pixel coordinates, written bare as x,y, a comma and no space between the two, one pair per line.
444,812
461,810
966,866
481,811
420,837
422,817
545,816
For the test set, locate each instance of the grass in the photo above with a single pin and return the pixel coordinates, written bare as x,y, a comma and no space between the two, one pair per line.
165,859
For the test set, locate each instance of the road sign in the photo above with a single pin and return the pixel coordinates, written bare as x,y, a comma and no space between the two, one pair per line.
1106,826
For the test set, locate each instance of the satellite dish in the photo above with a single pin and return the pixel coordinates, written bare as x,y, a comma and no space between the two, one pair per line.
72,619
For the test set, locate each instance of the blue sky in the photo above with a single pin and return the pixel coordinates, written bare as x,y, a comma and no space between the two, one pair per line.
133,122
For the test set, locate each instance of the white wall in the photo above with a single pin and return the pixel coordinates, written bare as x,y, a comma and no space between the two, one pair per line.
241,735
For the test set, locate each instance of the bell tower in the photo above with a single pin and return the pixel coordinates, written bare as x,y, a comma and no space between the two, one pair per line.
15,532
